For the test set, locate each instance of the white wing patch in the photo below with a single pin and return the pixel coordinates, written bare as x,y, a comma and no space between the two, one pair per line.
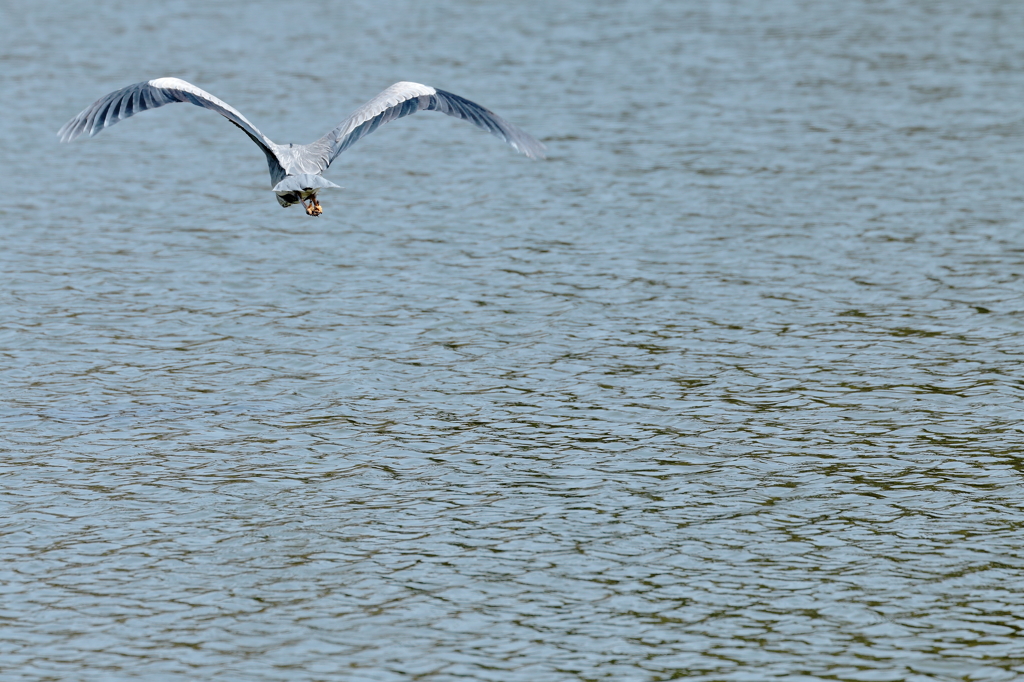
185,86
392,96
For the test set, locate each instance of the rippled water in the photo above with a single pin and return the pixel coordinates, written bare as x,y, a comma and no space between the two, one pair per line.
728,388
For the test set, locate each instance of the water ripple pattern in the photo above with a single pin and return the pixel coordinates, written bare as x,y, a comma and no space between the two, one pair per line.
726,389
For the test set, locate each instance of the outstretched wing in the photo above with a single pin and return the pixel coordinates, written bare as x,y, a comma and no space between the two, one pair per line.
402,99
119,105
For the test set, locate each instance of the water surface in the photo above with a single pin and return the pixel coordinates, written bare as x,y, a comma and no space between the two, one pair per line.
728,388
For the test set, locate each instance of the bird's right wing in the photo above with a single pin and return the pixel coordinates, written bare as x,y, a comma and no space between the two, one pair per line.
128,101
402,99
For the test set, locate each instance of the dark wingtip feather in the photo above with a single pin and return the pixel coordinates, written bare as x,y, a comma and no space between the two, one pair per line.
70,130
482,117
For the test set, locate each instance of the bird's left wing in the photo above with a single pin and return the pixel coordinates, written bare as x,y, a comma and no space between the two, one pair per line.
119,105
402,99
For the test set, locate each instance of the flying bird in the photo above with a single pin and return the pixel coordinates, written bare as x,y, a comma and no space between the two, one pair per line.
296,169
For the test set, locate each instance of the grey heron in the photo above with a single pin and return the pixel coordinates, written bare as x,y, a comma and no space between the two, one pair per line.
296,169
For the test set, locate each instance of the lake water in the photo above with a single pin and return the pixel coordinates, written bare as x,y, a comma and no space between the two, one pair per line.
728,388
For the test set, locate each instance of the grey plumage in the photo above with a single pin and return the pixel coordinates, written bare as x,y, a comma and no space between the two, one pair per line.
295,169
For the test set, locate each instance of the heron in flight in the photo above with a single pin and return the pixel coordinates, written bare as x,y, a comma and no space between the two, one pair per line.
295,169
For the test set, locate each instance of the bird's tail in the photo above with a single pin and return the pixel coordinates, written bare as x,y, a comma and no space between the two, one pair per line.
295,187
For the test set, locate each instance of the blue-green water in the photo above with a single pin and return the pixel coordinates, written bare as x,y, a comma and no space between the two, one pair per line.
728,388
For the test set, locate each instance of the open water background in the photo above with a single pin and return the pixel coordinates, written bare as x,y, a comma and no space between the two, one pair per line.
727,388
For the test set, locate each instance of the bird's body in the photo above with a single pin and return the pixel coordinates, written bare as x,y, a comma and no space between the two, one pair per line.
296,169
